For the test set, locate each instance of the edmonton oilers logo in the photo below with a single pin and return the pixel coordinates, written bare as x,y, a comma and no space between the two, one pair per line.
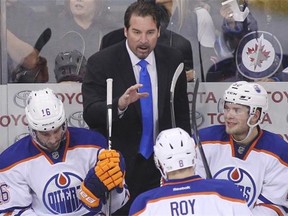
242,179
60,193
259,55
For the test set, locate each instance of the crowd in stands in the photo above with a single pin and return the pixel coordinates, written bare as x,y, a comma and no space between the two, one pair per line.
212,40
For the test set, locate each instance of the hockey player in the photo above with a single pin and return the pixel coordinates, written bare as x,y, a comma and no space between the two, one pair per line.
58,169
254,159
182,192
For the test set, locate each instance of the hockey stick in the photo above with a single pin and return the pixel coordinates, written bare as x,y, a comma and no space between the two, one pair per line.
201,62
177,73
109,111
24,75
195,130
43,39
109,87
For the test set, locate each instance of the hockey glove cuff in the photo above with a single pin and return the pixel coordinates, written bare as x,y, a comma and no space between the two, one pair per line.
87,197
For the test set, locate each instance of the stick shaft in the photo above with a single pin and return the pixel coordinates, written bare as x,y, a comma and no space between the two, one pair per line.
109,91
109,111
195,130
176,75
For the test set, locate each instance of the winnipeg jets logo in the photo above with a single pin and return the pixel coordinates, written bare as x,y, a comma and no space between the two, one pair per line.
259,55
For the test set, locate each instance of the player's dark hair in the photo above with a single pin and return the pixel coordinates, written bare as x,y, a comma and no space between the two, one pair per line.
260,111
143,9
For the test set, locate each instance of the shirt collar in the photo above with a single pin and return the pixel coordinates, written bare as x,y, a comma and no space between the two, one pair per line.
183,180
134,59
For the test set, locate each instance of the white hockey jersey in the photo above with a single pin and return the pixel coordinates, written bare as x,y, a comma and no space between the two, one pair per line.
34,182
259,170
191,196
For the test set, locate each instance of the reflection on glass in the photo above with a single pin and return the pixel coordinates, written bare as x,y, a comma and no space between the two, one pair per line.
214,35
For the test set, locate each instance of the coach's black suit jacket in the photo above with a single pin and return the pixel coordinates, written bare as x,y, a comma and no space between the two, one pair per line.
114,62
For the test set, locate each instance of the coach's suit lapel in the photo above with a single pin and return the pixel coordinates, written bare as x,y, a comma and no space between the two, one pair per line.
162,68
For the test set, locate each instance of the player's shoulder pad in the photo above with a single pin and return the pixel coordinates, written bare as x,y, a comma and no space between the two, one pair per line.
213,133
84,136
274,144
21,150
224,188
141,200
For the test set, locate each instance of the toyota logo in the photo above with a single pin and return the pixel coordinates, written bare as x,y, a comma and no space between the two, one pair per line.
20,98
76,120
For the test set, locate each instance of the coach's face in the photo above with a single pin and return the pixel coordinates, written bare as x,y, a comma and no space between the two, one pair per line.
142,35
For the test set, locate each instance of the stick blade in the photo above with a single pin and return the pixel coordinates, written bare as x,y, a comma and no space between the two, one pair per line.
43,39
177,73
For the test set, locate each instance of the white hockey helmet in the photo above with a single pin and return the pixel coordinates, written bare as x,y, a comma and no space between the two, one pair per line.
174,150
250,94
44,111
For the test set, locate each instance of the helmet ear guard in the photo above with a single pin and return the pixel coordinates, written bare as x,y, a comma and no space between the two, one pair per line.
174,150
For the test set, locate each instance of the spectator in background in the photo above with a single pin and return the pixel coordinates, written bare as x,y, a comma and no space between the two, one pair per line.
235,61
167,37
226,44
25,39
21,52
23,21
272,17
33,68
85,18
80,26
175,157
121,63
192,20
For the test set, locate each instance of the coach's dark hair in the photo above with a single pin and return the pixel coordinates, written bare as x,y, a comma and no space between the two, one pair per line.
143,9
